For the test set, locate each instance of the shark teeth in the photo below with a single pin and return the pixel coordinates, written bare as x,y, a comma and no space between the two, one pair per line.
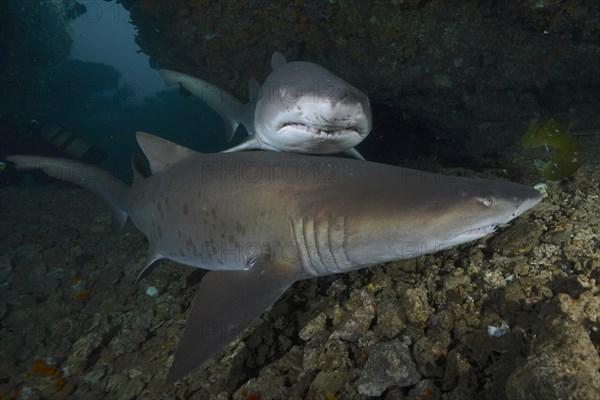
324,133
481,230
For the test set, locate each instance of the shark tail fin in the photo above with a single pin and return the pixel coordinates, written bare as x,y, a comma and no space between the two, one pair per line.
88,176
231,110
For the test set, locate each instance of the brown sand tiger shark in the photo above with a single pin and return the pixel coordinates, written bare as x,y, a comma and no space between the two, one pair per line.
260,221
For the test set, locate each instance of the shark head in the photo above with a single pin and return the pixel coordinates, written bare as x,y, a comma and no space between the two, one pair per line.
422,213
478,209
303,107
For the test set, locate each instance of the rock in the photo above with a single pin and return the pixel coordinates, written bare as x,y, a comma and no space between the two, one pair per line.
429,354
310,357
514,296
425,389
273,380
494,278
54,256
455,281
30,253
335,356
327,384
261,387
415,305
389,364
361,307
80,353
442,320
95,375
587,306
99,228
389,321
131,389
134,331
563,364
459,373
116,382
315,326
519,238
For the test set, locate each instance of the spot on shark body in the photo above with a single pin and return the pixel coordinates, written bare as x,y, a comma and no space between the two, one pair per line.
189,243
239,228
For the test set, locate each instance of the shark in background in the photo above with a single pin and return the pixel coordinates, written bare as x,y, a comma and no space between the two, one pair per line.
302,107
260,221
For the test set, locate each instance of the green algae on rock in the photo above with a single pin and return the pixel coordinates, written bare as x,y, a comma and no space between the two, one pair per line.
554,135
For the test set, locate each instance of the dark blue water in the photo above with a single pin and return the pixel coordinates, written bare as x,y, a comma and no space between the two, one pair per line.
90,78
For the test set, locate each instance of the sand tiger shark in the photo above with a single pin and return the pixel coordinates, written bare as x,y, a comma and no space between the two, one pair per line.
302,107
260,221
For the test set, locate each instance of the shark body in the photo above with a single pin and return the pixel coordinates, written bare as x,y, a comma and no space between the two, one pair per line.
260,221
302,107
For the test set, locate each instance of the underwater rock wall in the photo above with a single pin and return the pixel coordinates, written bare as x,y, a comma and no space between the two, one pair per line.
34,34
474,72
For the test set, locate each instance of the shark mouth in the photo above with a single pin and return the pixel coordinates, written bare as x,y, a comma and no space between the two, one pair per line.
481,231
468,236
325,132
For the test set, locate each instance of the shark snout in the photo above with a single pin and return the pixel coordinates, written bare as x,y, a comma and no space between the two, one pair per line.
526,200
512,201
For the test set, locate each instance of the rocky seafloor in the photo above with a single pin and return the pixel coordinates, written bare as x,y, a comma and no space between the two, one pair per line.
511,316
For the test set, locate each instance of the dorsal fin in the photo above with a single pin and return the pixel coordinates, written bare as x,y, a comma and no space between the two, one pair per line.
277,60
160,152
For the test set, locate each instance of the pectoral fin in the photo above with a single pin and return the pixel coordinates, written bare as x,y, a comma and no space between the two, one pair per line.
248,144
225,304
354,153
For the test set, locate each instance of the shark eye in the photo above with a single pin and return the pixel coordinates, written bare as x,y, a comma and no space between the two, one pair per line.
487,201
